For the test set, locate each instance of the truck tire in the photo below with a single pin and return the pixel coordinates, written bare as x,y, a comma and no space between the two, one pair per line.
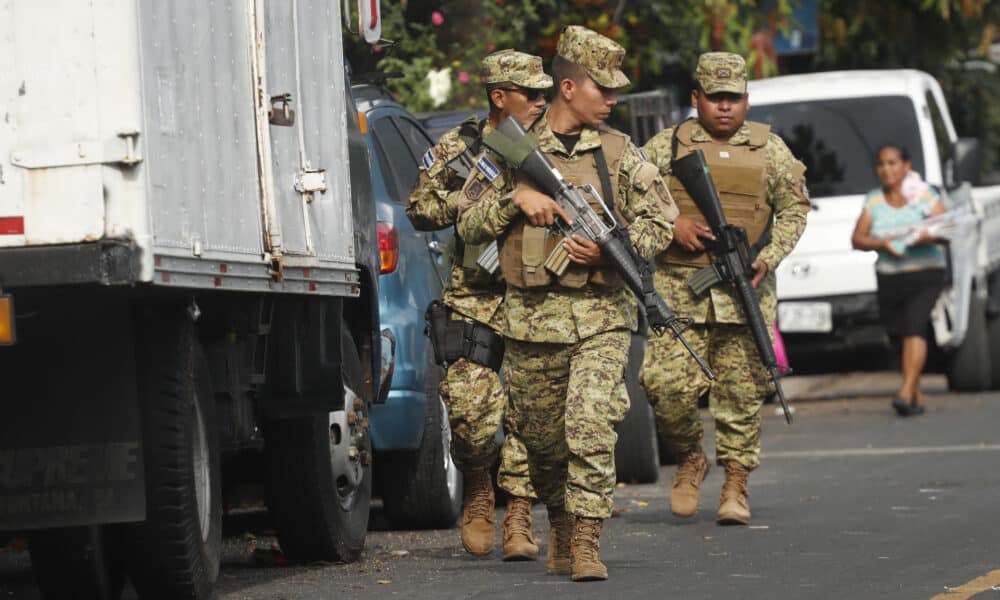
993,335
637,454
969,365
423,489
76,562
320,474
175,552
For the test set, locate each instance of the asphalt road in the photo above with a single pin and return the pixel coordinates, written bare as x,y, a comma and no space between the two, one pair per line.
850,502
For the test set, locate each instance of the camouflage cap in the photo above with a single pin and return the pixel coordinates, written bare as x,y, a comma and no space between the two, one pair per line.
722,72
510,66
601,57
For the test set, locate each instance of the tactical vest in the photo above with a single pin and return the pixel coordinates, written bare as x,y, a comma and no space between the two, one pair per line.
525,247
740,176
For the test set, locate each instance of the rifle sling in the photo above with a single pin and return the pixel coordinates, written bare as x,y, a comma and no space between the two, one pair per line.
605,175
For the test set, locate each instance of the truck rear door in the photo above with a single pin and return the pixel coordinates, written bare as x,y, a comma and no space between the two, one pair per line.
304,155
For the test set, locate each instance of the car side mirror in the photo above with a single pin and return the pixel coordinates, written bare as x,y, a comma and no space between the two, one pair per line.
968,158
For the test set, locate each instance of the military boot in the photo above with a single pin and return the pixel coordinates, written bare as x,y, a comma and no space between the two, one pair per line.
585,550
517,541
734,509
478,534
560,533
686,493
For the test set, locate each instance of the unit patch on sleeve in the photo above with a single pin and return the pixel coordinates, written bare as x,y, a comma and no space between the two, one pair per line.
487,168
428,159
475,190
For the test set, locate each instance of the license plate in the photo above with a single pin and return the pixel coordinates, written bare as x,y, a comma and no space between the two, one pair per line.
805,317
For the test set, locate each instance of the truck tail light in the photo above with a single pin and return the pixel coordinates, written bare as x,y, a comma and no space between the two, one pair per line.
388,247
7,337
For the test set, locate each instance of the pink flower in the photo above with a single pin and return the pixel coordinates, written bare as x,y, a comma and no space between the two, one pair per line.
490,47
463,77
437,18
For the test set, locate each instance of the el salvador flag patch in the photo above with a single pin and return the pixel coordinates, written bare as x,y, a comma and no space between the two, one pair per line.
643,155
428,159
487,168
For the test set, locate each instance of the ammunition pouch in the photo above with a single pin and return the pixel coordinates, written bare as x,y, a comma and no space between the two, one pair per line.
454,339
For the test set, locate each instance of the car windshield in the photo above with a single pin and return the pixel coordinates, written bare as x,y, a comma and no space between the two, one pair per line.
837,139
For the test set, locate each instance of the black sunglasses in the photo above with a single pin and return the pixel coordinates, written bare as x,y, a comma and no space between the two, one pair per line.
530,94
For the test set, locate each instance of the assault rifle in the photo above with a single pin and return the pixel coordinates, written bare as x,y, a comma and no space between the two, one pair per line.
731,260
515,145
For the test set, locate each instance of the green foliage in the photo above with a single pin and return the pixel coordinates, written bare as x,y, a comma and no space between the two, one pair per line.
941,37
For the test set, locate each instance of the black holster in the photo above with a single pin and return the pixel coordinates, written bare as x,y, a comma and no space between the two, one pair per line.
453,339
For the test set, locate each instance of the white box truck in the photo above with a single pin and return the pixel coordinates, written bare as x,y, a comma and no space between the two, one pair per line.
835,122
188,271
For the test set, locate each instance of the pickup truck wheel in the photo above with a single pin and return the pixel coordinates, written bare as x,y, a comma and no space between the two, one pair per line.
969,365
320,482
993,335
175,552
77,562
637,454
423,489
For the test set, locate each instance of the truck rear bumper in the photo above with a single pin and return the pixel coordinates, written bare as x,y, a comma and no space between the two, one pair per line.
108,262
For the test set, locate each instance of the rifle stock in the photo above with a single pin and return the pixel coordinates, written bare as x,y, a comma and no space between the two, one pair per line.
616,247
730,254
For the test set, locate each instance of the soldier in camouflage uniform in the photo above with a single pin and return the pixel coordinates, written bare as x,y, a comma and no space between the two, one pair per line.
568,335
762,188
472,391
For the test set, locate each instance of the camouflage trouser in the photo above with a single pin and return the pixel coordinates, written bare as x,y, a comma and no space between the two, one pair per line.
476,402
674,382
565,400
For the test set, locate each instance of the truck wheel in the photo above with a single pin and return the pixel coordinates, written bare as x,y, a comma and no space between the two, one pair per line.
320,482
969,365
637,455
993,335
423,489
175,552
76,562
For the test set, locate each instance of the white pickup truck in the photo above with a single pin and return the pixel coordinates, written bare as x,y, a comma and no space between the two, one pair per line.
835,122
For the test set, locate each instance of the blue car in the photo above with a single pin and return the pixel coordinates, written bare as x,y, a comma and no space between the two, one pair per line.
420,485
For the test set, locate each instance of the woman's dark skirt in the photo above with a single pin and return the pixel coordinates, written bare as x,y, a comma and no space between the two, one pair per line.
905,301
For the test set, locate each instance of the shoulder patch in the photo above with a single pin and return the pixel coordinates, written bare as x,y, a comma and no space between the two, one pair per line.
428,159
475,190
487,168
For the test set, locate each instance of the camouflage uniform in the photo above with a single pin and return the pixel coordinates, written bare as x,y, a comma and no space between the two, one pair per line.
473,392
672,380
567,347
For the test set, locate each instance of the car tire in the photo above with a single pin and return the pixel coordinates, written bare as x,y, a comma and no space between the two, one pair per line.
175,552
993,336
969,365
637,455
76,562
423,489
320,474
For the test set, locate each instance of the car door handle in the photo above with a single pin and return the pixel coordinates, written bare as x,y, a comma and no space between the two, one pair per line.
435,247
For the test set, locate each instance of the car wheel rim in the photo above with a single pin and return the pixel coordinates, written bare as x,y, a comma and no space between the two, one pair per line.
346,444
450,468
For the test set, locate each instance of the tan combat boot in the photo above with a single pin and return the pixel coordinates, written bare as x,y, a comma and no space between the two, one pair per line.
585,549
686,493
734,509
560,533
478,534
517,541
